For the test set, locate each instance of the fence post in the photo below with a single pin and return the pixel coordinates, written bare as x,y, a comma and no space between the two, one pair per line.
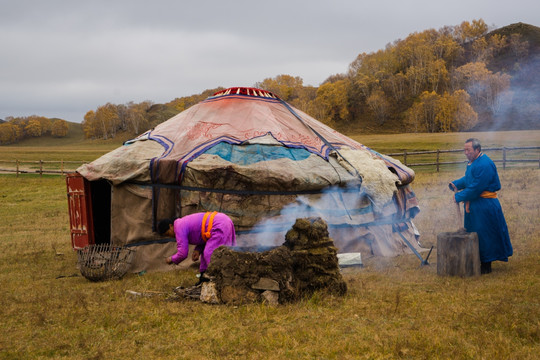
438,151
62,167
504,157
405,157
17,172
40,168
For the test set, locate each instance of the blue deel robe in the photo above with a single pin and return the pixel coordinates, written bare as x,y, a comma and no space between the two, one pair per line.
485,216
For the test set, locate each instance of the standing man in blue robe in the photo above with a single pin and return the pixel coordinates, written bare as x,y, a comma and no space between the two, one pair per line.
483,212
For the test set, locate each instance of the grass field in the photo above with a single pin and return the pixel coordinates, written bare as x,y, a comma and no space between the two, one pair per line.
394,308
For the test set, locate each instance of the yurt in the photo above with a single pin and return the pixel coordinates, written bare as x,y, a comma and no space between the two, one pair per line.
249,154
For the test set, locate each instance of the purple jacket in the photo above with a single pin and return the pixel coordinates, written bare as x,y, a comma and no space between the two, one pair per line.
188,232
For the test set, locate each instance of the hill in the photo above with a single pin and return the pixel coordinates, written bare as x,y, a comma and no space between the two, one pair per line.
519,110
75,136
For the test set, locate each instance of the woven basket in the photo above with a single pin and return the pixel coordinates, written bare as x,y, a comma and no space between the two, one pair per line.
102,262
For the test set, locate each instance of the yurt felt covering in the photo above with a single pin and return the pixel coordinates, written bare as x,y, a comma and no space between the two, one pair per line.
251,158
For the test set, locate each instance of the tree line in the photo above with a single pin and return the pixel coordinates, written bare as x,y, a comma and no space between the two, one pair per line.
431,81
15,129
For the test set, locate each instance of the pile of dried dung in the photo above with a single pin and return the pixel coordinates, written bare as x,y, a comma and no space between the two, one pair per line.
307,262
315,262
244,277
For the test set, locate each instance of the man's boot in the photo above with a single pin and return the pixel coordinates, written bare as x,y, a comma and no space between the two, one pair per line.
485,268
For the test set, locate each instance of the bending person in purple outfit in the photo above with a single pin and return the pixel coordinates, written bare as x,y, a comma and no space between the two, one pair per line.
207,231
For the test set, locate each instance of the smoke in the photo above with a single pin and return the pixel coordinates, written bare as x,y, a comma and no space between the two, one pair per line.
334,204
519,107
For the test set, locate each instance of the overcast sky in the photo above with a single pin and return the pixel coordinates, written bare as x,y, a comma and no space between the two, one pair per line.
62,58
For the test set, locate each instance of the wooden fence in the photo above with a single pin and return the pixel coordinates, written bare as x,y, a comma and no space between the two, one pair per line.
438,158
39,167
433,160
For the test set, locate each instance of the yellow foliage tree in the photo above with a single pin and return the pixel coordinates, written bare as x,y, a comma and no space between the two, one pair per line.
287,87
454,113
464,117
422,115
46,124
9,133
333,98
379,105
136,116
89,124
484,86
469,31
436,113
59,128
33,128
108,120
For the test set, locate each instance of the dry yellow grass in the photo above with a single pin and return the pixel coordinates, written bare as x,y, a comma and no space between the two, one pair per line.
394,308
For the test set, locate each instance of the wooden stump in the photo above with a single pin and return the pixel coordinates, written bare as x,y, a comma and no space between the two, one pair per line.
458,254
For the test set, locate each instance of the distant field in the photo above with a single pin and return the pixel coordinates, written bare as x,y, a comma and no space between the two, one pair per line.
398,142
88,150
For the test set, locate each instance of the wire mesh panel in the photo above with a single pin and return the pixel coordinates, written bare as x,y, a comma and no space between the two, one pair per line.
104,262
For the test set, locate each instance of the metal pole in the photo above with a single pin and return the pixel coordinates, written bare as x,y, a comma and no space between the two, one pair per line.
17,172
438,152
40,168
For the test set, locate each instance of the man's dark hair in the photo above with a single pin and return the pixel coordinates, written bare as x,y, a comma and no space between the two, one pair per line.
475,143
163,226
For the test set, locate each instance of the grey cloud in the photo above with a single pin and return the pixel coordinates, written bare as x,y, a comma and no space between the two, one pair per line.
72,56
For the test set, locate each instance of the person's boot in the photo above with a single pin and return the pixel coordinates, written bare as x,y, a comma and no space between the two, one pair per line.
202,279
485,268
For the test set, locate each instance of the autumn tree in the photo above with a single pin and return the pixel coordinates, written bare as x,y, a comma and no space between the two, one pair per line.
46,124
484,86
89,125
379,105
33,128
9,133
59,128
287,87
441,113
519,48
107,116
333,98
469,31
454,113
136,118
484,49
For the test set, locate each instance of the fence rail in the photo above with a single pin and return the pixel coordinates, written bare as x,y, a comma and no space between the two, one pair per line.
434,158
527,154
39,166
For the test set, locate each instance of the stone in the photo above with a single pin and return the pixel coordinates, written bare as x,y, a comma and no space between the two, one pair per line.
266,284
270,297
209,293
236,295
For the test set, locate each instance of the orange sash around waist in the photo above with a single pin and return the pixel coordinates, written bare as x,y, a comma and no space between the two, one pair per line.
485,195
205,234
488,195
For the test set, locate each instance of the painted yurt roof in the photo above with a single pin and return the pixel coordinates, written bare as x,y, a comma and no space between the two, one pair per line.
265,126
